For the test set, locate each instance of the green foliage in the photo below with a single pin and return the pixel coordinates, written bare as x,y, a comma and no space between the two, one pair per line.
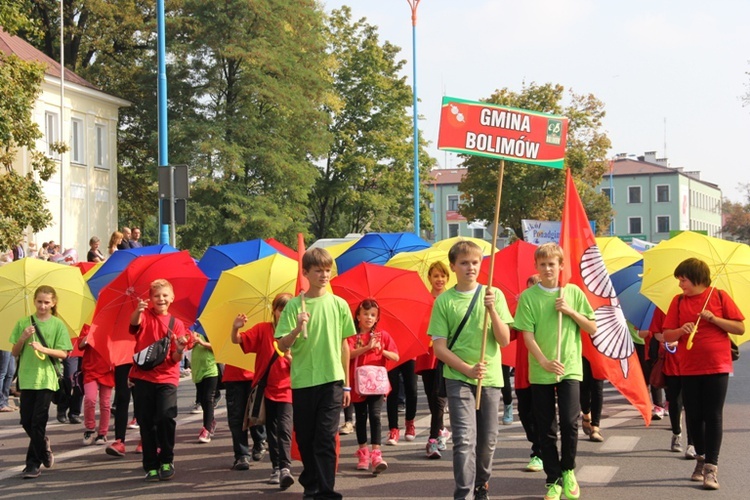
22,202
365,181
534,192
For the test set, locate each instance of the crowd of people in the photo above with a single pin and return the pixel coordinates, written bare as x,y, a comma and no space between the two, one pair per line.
316,357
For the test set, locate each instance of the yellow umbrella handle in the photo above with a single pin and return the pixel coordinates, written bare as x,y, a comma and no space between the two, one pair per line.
692,335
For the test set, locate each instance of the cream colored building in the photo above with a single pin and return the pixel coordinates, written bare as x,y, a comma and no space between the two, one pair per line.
82,195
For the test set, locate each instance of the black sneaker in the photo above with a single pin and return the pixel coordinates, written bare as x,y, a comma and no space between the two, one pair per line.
480,492
62,418
152,476
166,472
259,451
49,459
285,479
31,472
74,419
242,463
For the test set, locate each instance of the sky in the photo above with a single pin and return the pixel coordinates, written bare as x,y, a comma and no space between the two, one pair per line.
671,74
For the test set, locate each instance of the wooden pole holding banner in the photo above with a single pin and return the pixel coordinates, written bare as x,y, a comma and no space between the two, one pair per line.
559,329
495,224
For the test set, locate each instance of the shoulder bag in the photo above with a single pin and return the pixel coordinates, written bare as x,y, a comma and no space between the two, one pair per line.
371,380
255,412
439,379
155,354
64,385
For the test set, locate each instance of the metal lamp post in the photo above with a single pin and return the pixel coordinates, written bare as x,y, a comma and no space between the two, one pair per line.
413,4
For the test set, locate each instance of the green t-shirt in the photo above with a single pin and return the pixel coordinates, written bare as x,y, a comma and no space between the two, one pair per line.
316,360
35,373
449,309
202,363
536,313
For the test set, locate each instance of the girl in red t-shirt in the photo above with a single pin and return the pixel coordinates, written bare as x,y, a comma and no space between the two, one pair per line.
704,368
98,378
369,347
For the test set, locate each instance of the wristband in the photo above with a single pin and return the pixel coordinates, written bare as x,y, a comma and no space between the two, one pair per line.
347,389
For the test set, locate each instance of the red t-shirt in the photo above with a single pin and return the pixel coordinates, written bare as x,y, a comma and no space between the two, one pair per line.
236,374
711,352
94,366
522,360
152,328
259,339
371,357
671,365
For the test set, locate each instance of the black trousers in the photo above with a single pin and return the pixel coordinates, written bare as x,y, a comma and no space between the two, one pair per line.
122,400
592,394
279,430
673,392
206,389
156,410
369,408
506,390
567,393
34,416
316,419
71,406
406,371
237,395
704,397
436,403
526,415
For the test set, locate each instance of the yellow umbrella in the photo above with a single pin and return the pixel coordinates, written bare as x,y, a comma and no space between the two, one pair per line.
338,249
19,280
91,272
446,244
616,253
729,263
247,289
420,261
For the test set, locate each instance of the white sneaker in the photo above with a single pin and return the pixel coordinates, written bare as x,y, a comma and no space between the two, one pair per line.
690,453
89,437
196,409
443,436
657,413
275,477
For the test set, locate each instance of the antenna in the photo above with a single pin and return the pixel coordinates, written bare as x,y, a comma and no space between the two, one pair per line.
666,157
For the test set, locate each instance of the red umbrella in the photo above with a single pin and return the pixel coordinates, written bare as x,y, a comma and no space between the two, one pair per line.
405,304
117,301
84,266
513,266
282,248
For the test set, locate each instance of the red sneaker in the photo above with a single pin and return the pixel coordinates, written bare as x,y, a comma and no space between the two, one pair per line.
116,449
393,437
139,448
411,431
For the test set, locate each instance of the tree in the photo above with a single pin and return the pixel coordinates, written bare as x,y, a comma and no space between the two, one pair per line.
365,180
22,201
737,217
534,192
253,82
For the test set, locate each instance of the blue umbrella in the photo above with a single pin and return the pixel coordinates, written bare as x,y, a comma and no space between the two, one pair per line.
118,261
224,257
378,248
627,284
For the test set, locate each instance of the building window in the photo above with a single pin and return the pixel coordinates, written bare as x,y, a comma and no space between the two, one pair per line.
452,230
634,225
453,203
634,194
76,141
662,193
608,193
101,146
478,232
51,132
662,223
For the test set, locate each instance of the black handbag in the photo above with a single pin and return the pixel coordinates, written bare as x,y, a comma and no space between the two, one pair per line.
155,354
439,379
255,411
64,385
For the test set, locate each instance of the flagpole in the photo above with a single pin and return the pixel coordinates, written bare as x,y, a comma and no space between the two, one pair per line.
491,273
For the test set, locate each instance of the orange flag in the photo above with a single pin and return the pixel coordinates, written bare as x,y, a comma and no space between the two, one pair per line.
611,350
302,284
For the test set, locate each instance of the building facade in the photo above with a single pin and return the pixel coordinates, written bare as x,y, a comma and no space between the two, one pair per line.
447,222
82,194
652,200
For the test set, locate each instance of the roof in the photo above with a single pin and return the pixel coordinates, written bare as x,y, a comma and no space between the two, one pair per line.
628,167
11,44
447,175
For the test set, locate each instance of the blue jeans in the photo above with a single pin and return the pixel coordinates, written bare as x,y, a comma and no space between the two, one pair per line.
474,435
7,370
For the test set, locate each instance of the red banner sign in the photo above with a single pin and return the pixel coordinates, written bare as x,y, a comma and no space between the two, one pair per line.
485,129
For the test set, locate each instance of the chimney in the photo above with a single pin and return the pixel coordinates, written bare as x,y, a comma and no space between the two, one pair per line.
650,157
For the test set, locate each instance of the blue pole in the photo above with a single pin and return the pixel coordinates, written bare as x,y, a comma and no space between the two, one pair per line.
612,196
162,108
414,4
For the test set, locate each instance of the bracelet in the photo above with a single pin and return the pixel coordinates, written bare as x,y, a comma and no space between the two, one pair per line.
347,389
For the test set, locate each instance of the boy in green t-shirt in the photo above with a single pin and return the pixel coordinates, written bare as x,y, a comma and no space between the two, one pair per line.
320,371
551,372
474,431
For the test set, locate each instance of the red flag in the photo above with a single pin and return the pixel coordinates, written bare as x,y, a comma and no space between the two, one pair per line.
302,284
611,350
